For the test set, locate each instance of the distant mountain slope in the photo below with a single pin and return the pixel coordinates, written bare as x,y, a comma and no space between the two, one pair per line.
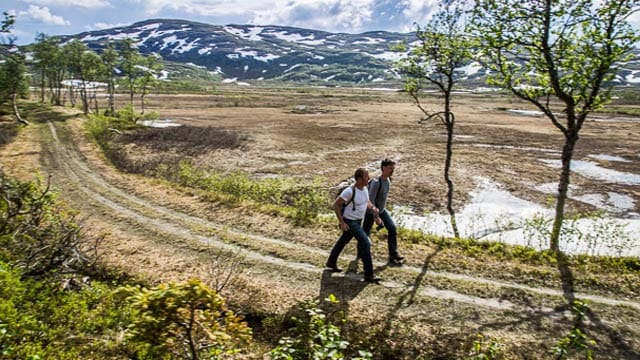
248,52
262,52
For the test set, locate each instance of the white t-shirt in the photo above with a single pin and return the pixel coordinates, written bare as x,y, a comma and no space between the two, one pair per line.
360,200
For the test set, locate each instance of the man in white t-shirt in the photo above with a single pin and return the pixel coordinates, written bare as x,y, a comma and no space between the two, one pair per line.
354,207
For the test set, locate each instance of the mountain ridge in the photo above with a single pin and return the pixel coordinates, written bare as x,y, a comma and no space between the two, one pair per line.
284,53
251,52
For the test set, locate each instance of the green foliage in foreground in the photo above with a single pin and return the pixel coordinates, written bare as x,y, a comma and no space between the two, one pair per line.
314,337
576,341
41,320
49,309
184,321
36,234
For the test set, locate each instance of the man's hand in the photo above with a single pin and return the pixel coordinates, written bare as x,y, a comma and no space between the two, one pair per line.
344,226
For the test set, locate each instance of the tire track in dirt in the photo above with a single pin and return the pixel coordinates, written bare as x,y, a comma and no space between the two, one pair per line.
178,224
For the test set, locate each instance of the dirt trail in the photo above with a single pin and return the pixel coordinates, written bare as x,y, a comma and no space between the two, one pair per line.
410,293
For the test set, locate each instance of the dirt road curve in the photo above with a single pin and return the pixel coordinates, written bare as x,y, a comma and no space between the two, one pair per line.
151,229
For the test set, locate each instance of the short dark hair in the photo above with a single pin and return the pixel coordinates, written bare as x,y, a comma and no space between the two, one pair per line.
359,173
386,162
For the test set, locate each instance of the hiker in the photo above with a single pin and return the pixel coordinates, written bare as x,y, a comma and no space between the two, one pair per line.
350,208
378,191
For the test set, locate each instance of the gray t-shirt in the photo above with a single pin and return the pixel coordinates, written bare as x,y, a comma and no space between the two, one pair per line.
378,191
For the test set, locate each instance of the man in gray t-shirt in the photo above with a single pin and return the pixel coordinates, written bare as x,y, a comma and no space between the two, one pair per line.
378,191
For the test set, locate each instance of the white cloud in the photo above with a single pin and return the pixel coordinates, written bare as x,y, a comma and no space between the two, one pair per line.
89,4
418,11
201,7
102,26
44,15
333,15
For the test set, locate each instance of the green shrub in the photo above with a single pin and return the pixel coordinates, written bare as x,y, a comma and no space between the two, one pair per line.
314,337
36,233
483,350
184,320
306,200
39,319
128,115
576,341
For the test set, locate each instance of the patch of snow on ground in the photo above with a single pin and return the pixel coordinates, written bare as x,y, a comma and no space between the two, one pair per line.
552,188
254,54
634,77
297,38
195,65
611,201
370,41
511,147
293,67
594,171
165,123
495,214
606,157
387,55
526,112
470,69
87,84
252,34
621,201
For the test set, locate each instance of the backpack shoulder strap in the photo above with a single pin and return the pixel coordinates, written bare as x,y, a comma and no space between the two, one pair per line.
353,195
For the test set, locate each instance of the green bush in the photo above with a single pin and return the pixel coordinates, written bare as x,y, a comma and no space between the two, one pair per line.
128,115
306,200
40,319
576,341
184,320
37,235
314,337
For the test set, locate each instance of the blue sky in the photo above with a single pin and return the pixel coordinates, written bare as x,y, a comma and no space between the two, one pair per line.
63,17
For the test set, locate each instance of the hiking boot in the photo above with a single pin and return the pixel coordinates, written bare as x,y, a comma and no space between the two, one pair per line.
394,262
372,279
397,258
333,268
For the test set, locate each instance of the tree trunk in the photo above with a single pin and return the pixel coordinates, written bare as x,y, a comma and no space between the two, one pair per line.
72,97
94,97
14,99
192,342
43,86
111,91
447,166
563,188
84,97
142,103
